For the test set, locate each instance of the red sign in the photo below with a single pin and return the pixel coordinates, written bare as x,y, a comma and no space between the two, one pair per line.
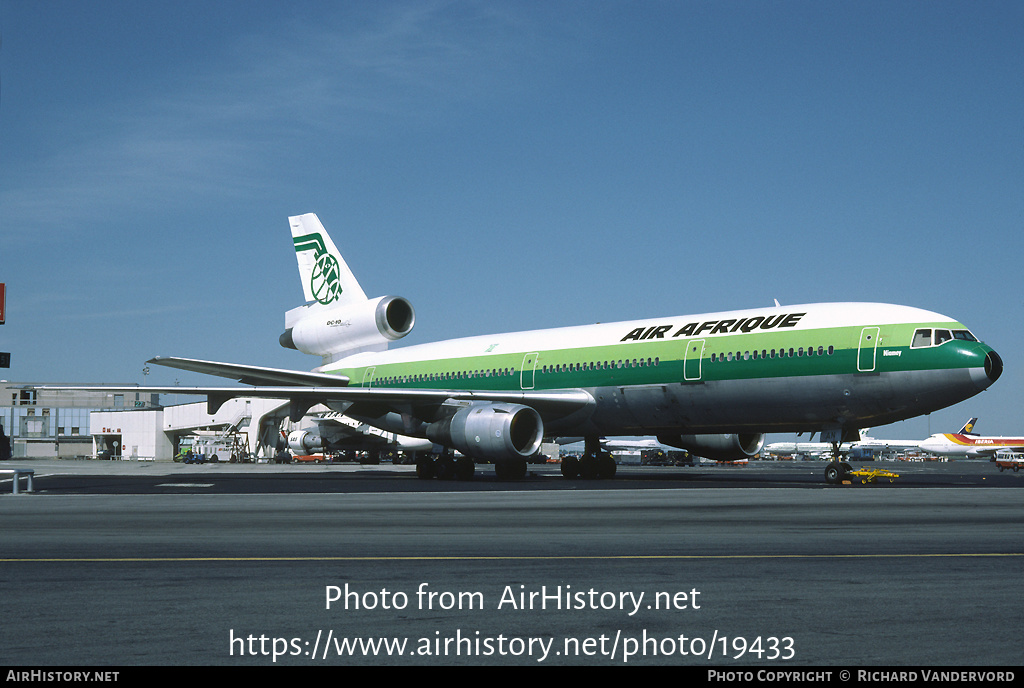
3,301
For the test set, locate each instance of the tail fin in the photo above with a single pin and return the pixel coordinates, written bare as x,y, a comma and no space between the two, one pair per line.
337,319
326,278
968,428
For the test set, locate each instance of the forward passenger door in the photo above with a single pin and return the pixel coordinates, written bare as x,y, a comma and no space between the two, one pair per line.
867,349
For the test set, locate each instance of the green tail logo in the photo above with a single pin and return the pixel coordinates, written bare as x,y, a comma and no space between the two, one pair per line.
325,281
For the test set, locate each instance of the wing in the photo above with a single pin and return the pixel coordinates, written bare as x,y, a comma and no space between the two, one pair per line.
991,451
252,375
304,390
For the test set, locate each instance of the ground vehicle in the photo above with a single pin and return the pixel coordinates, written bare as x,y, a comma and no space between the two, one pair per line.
1007,461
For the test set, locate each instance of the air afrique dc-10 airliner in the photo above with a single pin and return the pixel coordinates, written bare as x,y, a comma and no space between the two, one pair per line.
710,383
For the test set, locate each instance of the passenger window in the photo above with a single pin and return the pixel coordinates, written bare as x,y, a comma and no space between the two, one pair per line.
921,338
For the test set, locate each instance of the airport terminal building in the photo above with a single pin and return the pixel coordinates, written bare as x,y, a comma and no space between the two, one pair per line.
47,424
41,423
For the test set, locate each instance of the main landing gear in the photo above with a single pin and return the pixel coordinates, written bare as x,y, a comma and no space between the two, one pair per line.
447,467
510,469
593,464
444,467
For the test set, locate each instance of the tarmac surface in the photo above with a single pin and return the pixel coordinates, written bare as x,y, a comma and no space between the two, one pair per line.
124,563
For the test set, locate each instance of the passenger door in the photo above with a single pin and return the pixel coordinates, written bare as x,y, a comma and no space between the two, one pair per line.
527,378
692,358
867,349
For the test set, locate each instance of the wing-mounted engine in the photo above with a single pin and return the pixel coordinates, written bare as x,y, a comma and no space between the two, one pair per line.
718,447
492,431
336,331
306,441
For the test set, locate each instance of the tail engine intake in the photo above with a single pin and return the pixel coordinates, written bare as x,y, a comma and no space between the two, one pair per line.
342,330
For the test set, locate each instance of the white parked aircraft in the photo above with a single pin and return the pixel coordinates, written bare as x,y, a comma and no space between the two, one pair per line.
903,445
812,448
333,432
967,445
710,383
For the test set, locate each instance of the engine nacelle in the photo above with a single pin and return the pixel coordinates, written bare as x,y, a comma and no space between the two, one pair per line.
718,447
492,431
347,329
305,441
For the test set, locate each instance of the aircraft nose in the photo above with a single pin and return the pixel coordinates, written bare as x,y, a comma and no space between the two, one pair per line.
993,366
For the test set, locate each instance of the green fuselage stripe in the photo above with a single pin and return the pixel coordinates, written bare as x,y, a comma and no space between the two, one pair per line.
662,361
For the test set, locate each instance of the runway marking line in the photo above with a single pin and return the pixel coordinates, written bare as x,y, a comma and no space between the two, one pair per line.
521,558
185,485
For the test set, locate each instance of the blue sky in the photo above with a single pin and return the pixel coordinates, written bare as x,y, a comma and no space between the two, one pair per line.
503,165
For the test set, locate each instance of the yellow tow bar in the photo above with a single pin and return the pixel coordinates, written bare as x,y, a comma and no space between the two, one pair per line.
871,475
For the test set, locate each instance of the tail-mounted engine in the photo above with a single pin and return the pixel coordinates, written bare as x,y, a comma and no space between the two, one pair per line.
492,431
342,330
718,447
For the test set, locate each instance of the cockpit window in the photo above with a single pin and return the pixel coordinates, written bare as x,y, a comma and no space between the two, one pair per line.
923,337
964,335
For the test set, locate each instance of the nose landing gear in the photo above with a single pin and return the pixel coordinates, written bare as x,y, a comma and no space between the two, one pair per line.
837,470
